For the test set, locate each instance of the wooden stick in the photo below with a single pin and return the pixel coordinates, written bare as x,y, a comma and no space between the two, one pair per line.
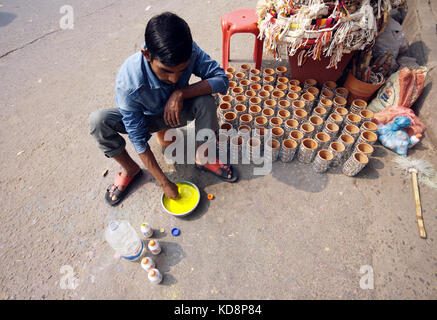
419,217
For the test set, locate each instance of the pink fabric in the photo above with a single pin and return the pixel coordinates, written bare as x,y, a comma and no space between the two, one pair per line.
390,113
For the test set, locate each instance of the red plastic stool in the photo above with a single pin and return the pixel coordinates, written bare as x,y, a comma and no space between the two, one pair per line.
241,21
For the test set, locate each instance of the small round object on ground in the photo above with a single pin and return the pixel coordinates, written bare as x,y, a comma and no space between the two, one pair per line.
175,232
210,196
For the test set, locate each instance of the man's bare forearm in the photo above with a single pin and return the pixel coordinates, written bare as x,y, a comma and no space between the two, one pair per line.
148,159
197,89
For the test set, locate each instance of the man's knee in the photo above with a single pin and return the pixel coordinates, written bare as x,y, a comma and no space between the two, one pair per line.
95,120
206,104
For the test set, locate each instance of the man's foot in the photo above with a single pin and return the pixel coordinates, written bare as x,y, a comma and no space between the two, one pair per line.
222,171
116,192
160,137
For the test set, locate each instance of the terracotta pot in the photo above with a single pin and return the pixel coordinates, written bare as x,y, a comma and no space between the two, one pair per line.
231,118
253,149
358,105
331,129
351,130
284,104
327,104
268,112
255,80
244,131
227,99
294,82
326,94
341,111
314,91
272,148
365,148
368,137
296,136
320,112
261,133
249,94
359,89
235,149
338,150
230,70
246,119
295,89
366,115
269,80
288,150
275,122
284,81
225,128
307,129
256,87
237,91
282,87
329,85
323,139
223,108
307,150
269,88
223,145
284,115
310,83
261,121
297,104
309,100
290,125
255,111
255,72
317,122
232,84
355,164
278,95
347,140
322,161
263,95
339,102
300,115
277,133
352,118
254,101
240,76
368,126
245,68
240,109
241,100
335,118
230,76
245,83
292,96
269,72
342,92
281,71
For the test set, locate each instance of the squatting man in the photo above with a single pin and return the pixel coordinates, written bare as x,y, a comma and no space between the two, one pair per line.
152,94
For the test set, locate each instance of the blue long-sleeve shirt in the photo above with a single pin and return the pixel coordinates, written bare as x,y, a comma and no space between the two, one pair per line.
138,92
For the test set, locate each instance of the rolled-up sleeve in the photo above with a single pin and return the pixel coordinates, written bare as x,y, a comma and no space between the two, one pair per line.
134,120
210,70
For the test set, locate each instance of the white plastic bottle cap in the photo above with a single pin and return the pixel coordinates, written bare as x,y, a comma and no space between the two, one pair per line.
146,230
147,264
155,276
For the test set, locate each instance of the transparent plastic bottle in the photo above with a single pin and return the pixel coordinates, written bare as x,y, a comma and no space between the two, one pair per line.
123,238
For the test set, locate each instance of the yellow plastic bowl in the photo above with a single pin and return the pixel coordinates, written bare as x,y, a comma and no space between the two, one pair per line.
189,198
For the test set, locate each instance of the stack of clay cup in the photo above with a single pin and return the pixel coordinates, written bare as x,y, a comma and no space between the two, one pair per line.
288,119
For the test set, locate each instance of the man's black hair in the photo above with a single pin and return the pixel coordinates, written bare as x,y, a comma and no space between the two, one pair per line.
168,39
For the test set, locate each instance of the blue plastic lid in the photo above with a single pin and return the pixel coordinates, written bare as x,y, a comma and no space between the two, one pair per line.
175,232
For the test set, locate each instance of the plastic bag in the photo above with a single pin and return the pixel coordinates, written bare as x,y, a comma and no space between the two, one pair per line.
394,137
401,89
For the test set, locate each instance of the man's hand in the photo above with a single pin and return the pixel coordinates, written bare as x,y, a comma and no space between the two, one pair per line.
170,190
173,108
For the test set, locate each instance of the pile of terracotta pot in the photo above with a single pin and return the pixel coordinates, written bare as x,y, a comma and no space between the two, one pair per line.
286,119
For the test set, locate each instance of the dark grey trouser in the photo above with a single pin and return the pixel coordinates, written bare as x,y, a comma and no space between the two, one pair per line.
106,124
